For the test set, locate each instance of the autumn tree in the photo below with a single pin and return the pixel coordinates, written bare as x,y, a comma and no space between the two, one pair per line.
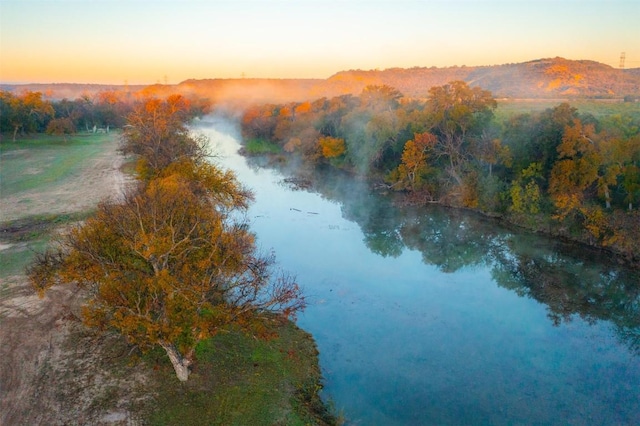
61,126
525,191
168,267
456,113
173,263
411,172
157,133
27,112
576,170
332,147
534,138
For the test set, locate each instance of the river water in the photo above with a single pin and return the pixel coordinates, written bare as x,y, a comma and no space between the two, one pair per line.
432,316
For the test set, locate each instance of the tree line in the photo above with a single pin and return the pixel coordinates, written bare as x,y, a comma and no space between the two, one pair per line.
172,262
30,112
558,170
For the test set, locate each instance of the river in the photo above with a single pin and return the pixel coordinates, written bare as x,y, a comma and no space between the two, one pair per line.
432,316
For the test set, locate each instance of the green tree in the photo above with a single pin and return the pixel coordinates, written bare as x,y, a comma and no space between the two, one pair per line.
525,191
457,113
27,112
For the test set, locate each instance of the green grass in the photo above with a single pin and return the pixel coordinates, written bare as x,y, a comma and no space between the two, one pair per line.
43,161
261,147
598,108
27,236
238,380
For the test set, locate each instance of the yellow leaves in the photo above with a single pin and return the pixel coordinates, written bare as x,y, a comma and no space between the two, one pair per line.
525,192
413,167
332,147
577,169
167,265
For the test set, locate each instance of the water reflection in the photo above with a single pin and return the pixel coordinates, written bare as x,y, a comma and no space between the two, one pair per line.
435,316
569,280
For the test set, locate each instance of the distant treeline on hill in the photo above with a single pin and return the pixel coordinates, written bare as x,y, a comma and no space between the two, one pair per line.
538,79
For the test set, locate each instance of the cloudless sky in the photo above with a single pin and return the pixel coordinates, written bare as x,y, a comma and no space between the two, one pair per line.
148,41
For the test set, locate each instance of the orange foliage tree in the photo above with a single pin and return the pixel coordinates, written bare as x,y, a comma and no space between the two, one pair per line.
169,265
332,147
410,173
157,133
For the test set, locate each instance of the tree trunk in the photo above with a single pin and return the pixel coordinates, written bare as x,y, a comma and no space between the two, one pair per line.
180,363
15,132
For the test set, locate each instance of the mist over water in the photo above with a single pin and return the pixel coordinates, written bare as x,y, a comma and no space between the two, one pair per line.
433,316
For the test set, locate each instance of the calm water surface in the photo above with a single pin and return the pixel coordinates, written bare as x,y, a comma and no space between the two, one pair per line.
432,316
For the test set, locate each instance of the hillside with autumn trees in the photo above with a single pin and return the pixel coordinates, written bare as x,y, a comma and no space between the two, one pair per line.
549,78
558,171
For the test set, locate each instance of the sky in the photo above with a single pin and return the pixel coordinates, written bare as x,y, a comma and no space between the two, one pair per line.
168,41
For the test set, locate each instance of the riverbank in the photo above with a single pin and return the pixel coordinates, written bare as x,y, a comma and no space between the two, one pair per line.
56,371
622,249
627,256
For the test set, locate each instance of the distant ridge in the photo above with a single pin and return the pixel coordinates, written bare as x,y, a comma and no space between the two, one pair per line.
549,78
69,90
541,78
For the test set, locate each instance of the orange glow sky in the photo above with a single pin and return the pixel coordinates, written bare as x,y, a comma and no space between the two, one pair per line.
149,41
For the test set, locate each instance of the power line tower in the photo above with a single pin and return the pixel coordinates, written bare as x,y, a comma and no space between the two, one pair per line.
622,58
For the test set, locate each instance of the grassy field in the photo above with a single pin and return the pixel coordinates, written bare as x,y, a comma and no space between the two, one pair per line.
598,108
38,164
42,161
243,381
261,147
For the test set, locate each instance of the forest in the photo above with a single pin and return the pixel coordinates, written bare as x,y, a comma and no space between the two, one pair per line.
574,175
559,171
31,112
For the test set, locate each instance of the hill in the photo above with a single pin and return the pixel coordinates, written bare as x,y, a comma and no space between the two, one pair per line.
541,78
550,78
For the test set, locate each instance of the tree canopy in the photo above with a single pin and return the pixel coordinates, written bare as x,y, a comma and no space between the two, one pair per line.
569,173
171,264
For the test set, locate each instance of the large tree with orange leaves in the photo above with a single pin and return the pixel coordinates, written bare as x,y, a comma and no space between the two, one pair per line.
169,266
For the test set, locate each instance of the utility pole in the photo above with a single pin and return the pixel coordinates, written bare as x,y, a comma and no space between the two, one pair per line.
622,58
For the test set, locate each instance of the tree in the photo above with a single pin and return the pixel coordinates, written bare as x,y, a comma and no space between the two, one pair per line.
61,126
410,173
455,113
168,267
525,191
172,263
380,98
332,147
27,112
157,133
576,169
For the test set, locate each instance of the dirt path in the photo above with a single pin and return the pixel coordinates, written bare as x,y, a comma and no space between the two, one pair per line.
33,330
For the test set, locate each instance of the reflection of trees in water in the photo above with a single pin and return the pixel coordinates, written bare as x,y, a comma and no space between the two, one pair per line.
567,280
568,286
447,239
